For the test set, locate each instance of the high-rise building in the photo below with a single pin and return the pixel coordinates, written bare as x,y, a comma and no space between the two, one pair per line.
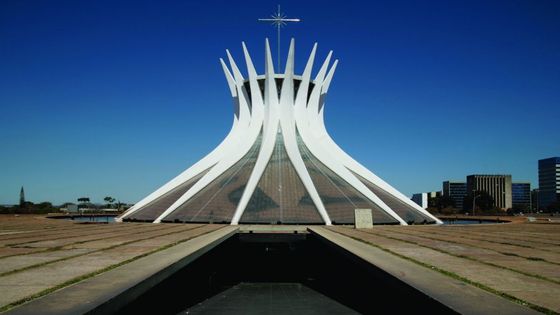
497,186
521,194
278,164
456,190
549,181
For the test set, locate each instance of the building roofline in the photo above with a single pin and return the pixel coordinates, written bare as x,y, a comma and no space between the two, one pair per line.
489,175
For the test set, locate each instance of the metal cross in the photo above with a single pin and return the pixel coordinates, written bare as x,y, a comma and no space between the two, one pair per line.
278,19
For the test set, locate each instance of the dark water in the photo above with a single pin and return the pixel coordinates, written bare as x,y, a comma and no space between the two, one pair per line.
447,221
105,218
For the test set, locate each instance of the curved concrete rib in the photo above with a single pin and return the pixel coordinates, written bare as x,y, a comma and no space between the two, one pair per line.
267,113
329,160
247,134
288,124
270,133
323,137
205,163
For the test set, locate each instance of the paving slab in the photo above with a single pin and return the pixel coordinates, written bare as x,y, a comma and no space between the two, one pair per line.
530,253
467,235
23,261
108,292
538,268
74,235
526,247
539,292
34,280
453,293
54,253
115,239
89,235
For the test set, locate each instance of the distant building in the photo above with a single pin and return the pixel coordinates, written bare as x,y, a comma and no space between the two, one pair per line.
423,199
497,186
456,191
72,208
433,194
521,194
549,181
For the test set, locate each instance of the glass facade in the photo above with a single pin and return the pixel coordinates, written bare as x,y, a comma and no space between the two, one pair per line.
280,197
549,181
217,201
521,194
405,211
456,191
155,208
339,198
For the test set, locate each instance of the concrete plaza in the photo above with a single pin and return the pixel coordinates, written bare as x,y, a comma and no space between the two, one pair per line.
520,261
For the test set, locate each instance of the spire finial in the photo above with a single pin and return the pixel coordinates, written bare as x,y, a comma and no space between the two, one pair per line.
279,20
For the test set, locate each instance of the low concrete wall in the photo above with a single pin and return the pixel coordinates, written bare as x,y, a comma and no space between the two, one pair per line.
110,291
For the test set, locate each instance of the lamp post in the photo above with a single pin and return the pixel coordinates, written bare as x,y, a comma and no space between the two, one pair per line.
530,201
537,207
474,201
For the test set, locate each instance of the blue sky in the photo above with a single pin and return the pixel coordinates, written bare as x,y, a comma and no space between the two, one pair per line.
116,97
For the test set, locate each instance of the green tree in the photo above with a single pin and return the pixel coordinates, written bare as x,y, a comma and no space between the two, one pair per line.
83,202
446,202
109,200
483,202
441,202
